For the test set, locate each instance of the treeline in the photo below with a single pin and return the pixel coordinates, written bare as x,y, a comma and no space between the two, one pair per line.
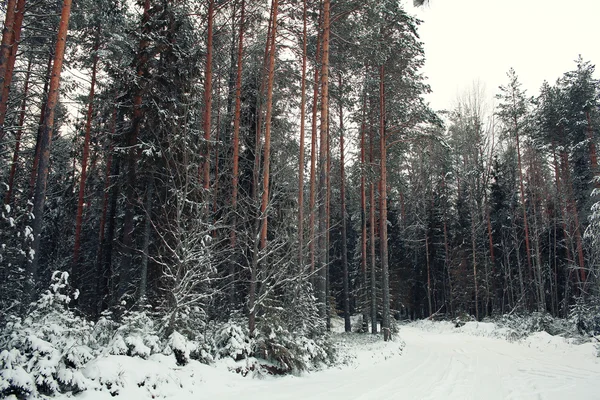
276,160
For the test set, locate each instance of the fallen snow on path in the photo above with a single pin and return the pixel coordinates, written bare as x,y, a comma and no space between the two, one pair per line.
430,361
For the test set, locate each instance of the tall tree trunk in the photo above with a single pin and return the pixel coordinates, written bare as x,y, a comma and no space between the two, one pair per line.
132,138
143,286
7,75
313,157
38,139
266,159
101,279
347,325
84,162
5,49
523,203
208,93
255,181
321,286
267,147
363,221
46,140
385,326
236,147
428,273
301,156
373,286
13,166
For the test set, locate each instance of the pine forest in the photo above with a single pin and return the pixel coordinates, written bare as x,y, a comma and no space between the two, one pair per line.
235,178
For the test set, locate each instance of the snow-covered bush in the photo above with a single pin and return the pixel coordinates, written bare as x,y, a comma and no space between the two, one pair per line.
185,350
136,336
231,340
46,349
585,316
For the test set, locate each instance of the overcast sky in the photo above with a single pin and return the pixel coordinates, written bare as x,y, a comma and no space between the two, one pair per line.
470,40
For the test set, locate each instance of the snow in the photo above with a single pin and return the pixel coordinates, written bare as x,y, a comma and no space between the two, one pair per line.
426,360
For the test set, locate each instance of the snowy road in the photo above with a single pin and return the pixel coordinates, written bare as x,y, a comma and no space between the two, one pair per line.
442,365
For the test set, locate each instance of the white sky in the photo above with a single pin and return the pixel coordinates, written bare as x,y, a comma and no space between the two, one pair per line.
470,40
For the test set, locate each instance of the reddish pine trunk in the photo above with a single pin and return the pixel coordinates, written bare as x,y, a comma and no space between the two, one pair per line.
236,148
313,157
385,326
6,78
322,280
266,161
13,167
5,49
84,161
46,140
236,125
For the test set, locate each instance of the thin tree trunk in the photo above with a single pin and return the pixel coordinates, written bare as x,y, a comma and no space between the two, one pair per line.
347,325
10,64
313,157
266,162
373,294
46,140
84,162
328,232
322,281
255,194
217,148
267,148
146,244
523,204
137,117
363,220
100,274
301,157
385,327
208,93
38,139
428,274
236,147
5,49
13,167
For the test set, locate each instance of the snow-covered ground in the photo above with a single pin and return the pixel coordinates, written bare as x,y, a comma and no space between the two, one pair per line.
427,361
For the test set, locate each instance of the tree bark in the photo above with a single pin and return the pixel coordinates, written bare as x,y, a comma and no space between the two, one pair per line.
84,162
236,147
13,167
46,140
301,156
38,140
385,326
322,276
313,159
208,93
363,220
6,77
269,114
373,288
347,325
132,139
5,49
